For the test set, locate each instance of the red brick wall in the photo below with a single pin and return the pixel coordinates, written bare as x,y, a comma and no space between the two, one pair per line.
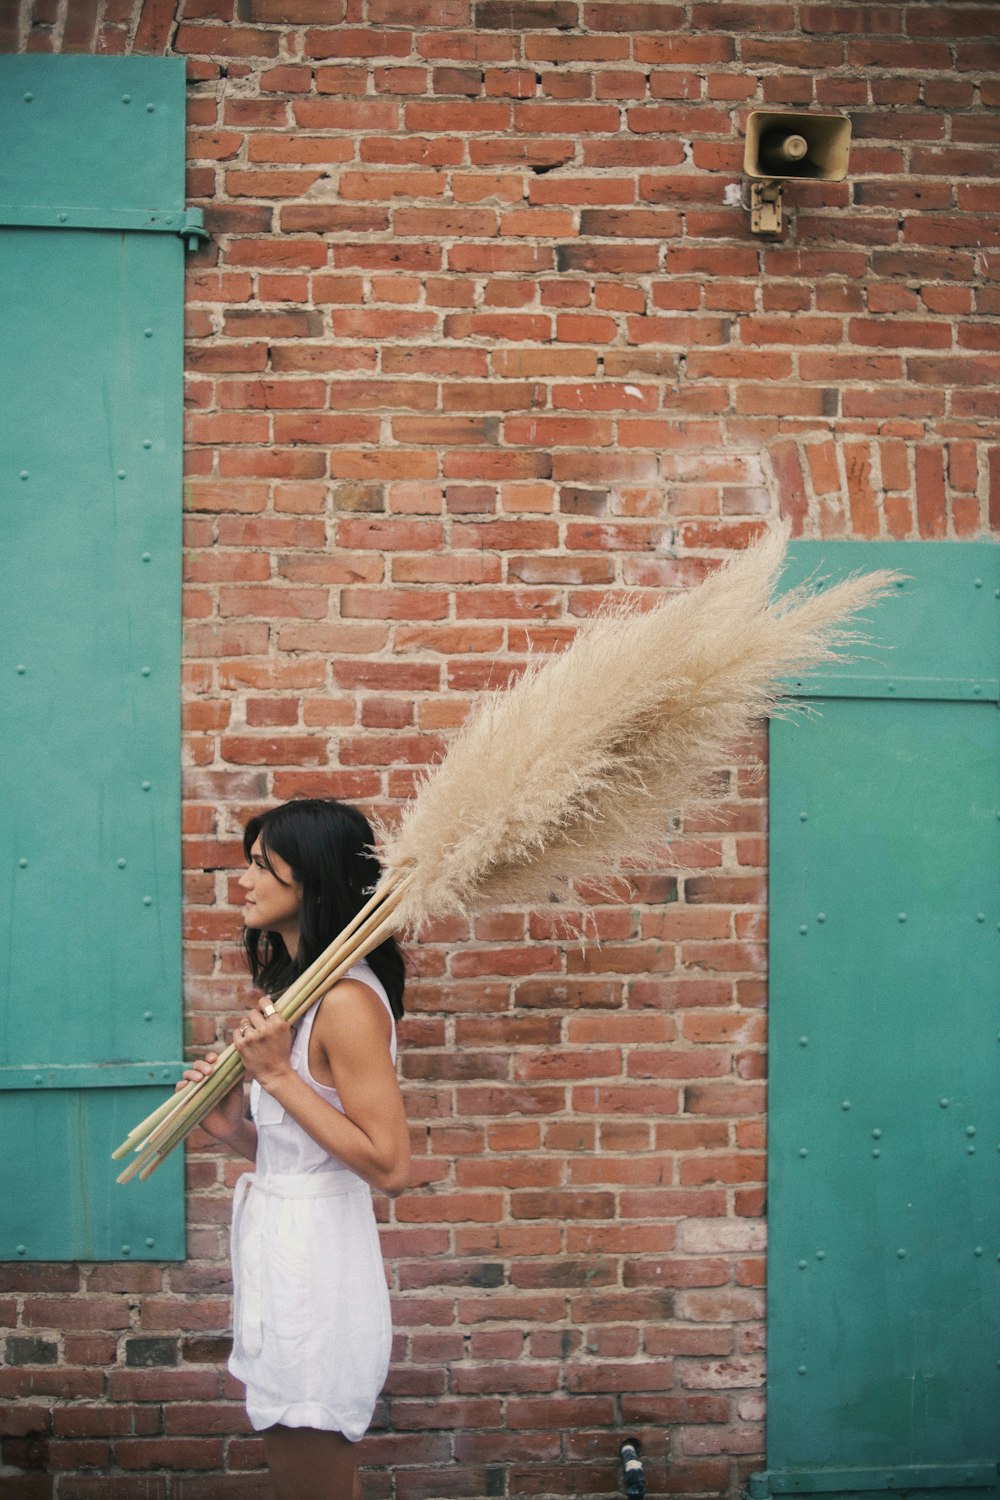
482,334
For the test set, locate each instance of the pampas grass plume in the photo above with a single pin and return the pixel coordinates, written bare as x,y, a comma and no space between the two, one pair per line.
575,768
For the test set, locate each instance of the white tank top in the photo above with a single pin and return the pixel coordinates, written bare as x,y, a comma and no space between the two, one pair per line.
282,1145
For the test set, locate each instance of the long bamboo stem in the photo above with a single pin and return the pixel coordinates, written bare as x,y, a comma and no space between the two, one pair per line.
157,1136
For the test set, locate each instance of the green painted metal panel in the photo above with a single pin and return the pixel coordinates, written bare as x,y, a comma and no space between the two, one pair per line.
90,518
941,621
884,1156
92,131
60,1200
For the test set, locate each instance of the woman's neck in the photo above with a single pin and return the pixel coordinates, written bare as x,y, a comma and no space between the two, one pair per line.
290,940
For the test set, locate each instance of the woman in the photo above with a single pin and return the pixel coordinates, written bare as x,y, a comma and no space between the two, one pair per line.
311,1331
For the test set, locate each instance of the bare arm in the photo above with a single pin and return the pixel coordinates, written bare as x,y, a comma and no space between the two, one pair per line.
352,1029
227,1122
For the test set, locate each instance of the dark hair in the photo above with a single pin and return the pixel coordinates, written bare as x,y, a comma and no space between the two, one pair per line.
328,845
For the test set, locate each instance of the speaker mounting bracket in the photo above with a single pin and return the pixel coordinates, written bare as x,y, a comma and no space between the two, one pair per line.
765,207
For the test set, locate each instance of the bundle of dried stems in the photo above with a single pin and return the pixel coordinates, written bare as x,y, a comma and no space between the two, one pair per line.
574,769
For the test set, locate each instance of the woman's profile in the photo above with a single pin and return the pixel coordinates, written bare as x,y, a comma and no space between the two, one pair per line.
311,1323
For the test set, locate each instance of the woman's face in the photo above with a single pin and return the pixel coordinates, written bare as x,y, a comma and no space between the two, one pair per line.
271,904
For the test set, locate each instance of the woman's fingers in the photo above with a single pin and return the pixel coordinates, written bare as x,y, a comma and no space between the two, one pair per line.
198,1070
248,1026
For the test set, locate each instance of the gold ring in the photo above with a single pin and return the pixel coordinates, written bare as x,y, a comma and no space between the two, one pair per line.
269,1009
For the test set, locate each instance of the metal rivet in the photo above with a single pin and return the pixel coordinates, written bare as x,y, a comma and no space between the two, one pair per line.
802,1370
147,900
150,108
803,817
146,444
126,1249
23,863
803,1152
802,1265
39,1078
876,1134
146,671
902,916
126,98
147,1015
147,556
970,1129
121,864
876,1153
900,1254
978,1250
147,333
821,1255
970,1150
981,917
803,929
977,689
22,1249
803,1041
121,473
26,475
20,669
146,785
845,1104
891,688
944,1103
63,218
978,583
150,1243
821,916
28,98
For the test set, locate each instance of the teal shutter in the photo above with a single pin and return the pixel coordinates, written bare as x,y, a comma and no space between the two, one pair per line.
91,219
884,1156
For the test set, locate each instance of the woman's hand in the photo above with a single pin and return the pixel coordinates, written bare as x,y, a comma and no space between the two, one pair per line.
225,1119
264,1041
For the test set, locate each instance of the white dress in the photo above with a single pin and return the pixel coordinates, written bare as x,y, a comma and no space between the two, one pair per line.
311,1322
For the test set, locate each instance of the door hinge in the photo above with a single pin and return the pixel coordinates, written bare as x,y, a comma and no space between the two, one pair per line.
35,1077
902,1478
189,223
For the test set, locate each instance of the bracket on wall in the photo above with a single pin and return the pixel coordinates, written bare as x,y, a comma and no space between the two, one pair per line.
765,207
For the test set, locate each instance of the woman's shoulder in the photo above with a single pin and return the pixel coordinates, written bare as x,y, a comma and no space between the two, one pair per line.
356,1002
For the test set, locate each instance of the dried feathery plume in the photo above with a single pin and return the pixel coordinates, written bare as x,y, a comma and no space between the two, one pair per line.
574,770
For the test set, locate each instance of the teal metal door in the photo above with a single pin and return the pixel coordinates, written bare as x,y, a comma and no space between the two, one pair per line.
91,219
884,1156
